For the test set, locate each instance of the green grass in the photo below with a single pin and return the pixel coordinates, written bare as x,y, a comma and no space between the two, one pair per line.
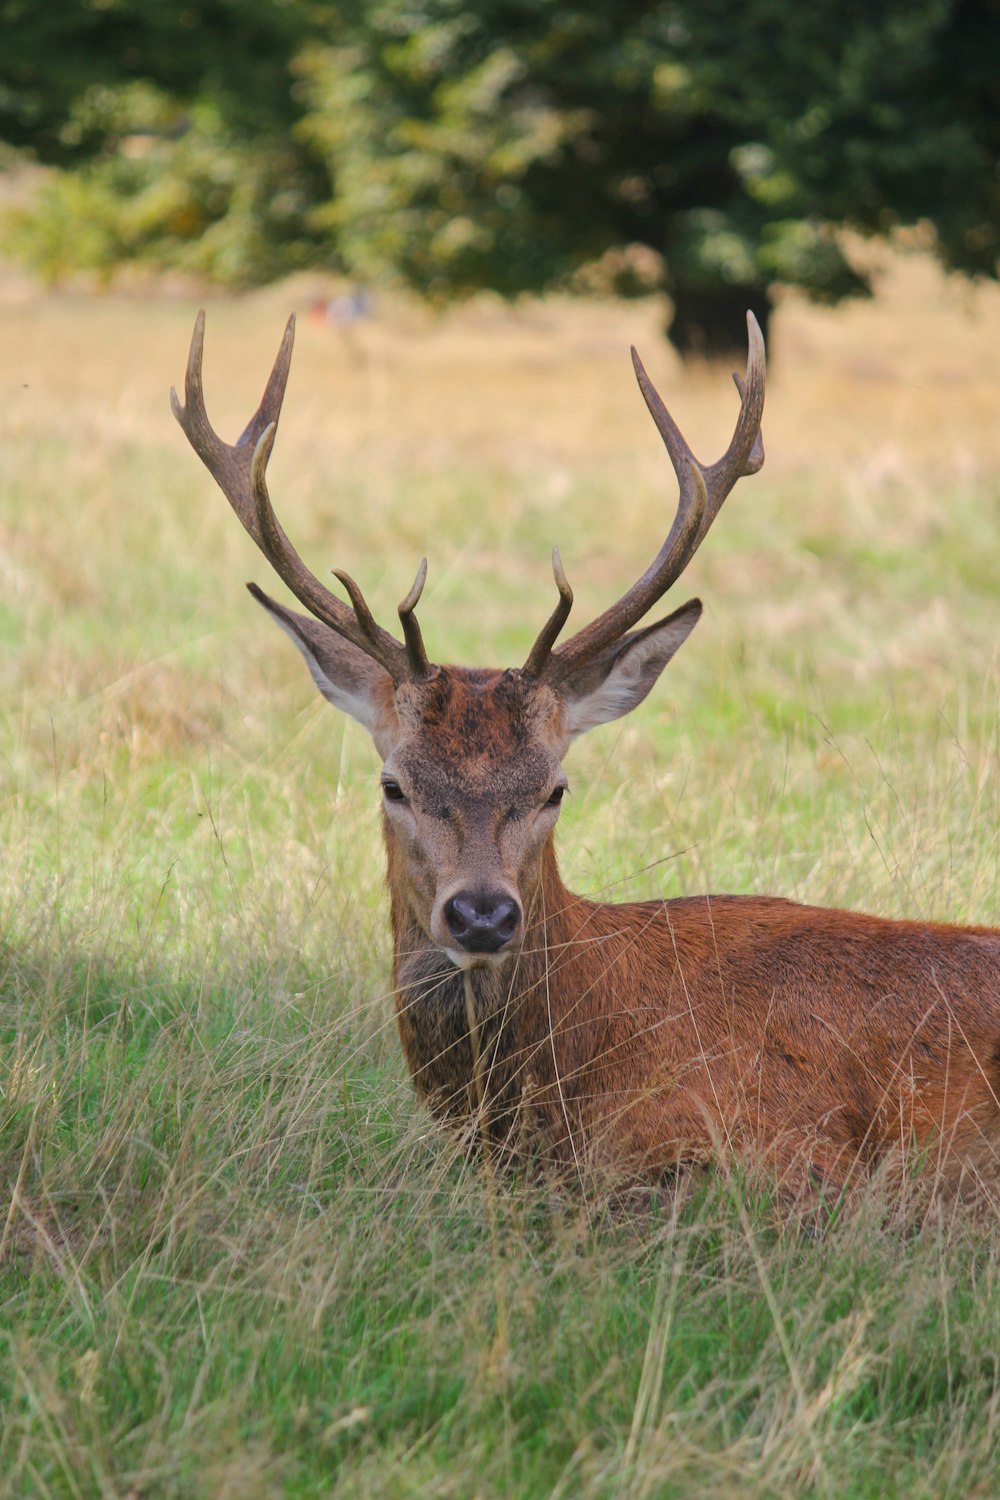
237,1258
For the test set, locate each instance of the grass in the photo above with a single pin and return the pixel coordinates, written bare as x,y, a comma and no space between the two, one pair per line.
237,1259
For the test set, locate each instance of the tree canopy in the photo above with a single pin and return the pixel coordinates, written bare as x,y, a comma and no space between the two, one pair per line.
517,145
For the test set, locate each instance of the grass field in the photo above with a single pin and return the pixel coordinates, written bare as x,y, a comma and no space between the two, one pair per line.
236,1260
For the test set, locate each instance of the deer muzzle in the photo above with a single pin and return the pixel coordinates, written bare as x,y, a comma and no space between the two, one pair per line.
482,922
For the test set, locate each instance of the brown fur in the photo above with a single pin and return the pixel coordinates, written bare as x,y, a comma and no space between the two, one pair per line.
656,1033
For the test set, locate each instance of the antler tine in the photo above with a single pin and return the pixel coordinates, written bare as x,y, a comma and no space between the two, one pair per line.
549,633
702,492
240,471
745,454
359,604
415,652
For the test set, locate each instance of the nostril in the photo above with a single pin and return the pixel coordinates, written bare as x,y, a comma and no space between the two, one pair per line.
505,918
460,915
481,923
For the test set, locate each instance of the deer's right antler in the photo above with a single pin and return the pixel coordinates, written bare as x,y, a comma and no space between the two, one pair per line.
239,470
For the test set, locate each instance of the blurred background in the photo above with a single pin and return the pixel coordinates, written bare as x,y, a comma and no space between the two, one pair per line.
712,156
474,211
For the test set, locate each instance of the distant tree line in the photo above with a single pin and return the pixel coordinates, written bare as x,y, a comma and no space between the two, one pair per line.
708,151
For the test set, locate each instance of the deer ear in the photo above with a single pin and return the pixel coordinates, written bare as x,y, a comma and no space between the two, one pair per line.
618,679
345,676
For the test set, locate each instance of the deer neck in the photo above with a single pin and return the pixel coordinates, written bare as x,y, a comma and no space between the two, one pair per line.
512,1004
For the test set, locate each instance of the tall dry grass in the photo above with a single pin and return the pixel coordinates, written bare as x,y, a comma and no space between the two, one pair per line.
236,1259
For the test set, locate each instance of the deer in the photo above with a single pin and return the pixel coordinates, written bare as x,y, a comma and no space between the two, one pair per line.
643,1037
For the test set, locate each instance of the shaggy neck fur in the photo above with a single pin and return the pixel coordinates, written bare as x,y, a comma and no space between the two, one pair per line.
522,1030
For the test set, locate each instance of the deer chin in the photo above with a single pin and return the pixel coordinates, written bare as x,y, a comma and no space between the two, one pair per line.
471,961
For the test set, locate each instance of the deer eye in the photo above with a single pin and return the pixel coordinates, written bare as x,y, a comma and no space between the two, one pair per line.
556,795
393,791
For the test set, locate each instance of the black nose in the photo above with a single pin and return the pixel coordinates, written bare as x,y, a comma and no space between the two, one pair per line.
482,923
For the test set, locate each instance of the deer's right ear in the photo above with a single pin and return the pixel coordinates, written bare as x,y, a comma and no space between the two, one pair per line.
346,677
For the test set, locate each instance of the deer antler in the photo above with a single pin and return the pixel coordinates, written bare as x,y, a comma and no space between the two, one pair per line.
239,471
702,491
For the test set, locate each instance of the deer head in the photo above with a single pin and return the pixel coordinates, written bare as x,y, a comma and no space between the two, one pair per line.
472,775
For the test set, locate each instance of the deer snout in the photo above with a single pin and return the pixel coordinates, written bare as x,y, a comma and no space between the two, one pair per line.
482,921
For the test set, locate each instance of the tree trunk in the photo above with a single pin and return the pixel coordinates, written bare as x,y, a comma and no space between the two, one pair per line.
709,321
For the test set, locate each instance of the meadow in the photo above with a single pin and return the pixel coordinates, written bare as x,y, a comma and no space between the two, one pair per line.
236,1258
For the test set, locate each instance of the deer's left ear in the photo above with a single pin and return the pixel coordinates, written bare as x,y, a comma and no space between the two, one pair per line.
616,681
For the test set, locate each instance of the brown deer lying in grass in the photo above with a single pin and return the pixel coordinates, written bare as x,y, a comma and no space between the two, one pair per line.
647,1034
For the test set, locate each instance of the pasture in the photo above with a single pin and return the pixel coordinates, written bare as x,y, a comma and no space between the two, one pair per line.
236,1258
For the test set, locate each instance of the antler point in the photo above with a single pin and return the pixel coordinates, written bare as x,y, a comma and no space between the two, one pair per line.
408,604
559,574
755,340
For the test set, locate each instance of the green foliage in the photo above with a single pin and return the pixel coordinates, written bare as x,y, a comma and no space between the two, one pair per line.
199,198
510,146
176,127
236,52
518,146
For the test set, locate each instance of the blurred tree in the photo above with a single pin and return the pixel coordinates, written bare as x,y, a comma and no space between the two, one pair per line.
236,52
174,187
711,151
175,126
518,144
